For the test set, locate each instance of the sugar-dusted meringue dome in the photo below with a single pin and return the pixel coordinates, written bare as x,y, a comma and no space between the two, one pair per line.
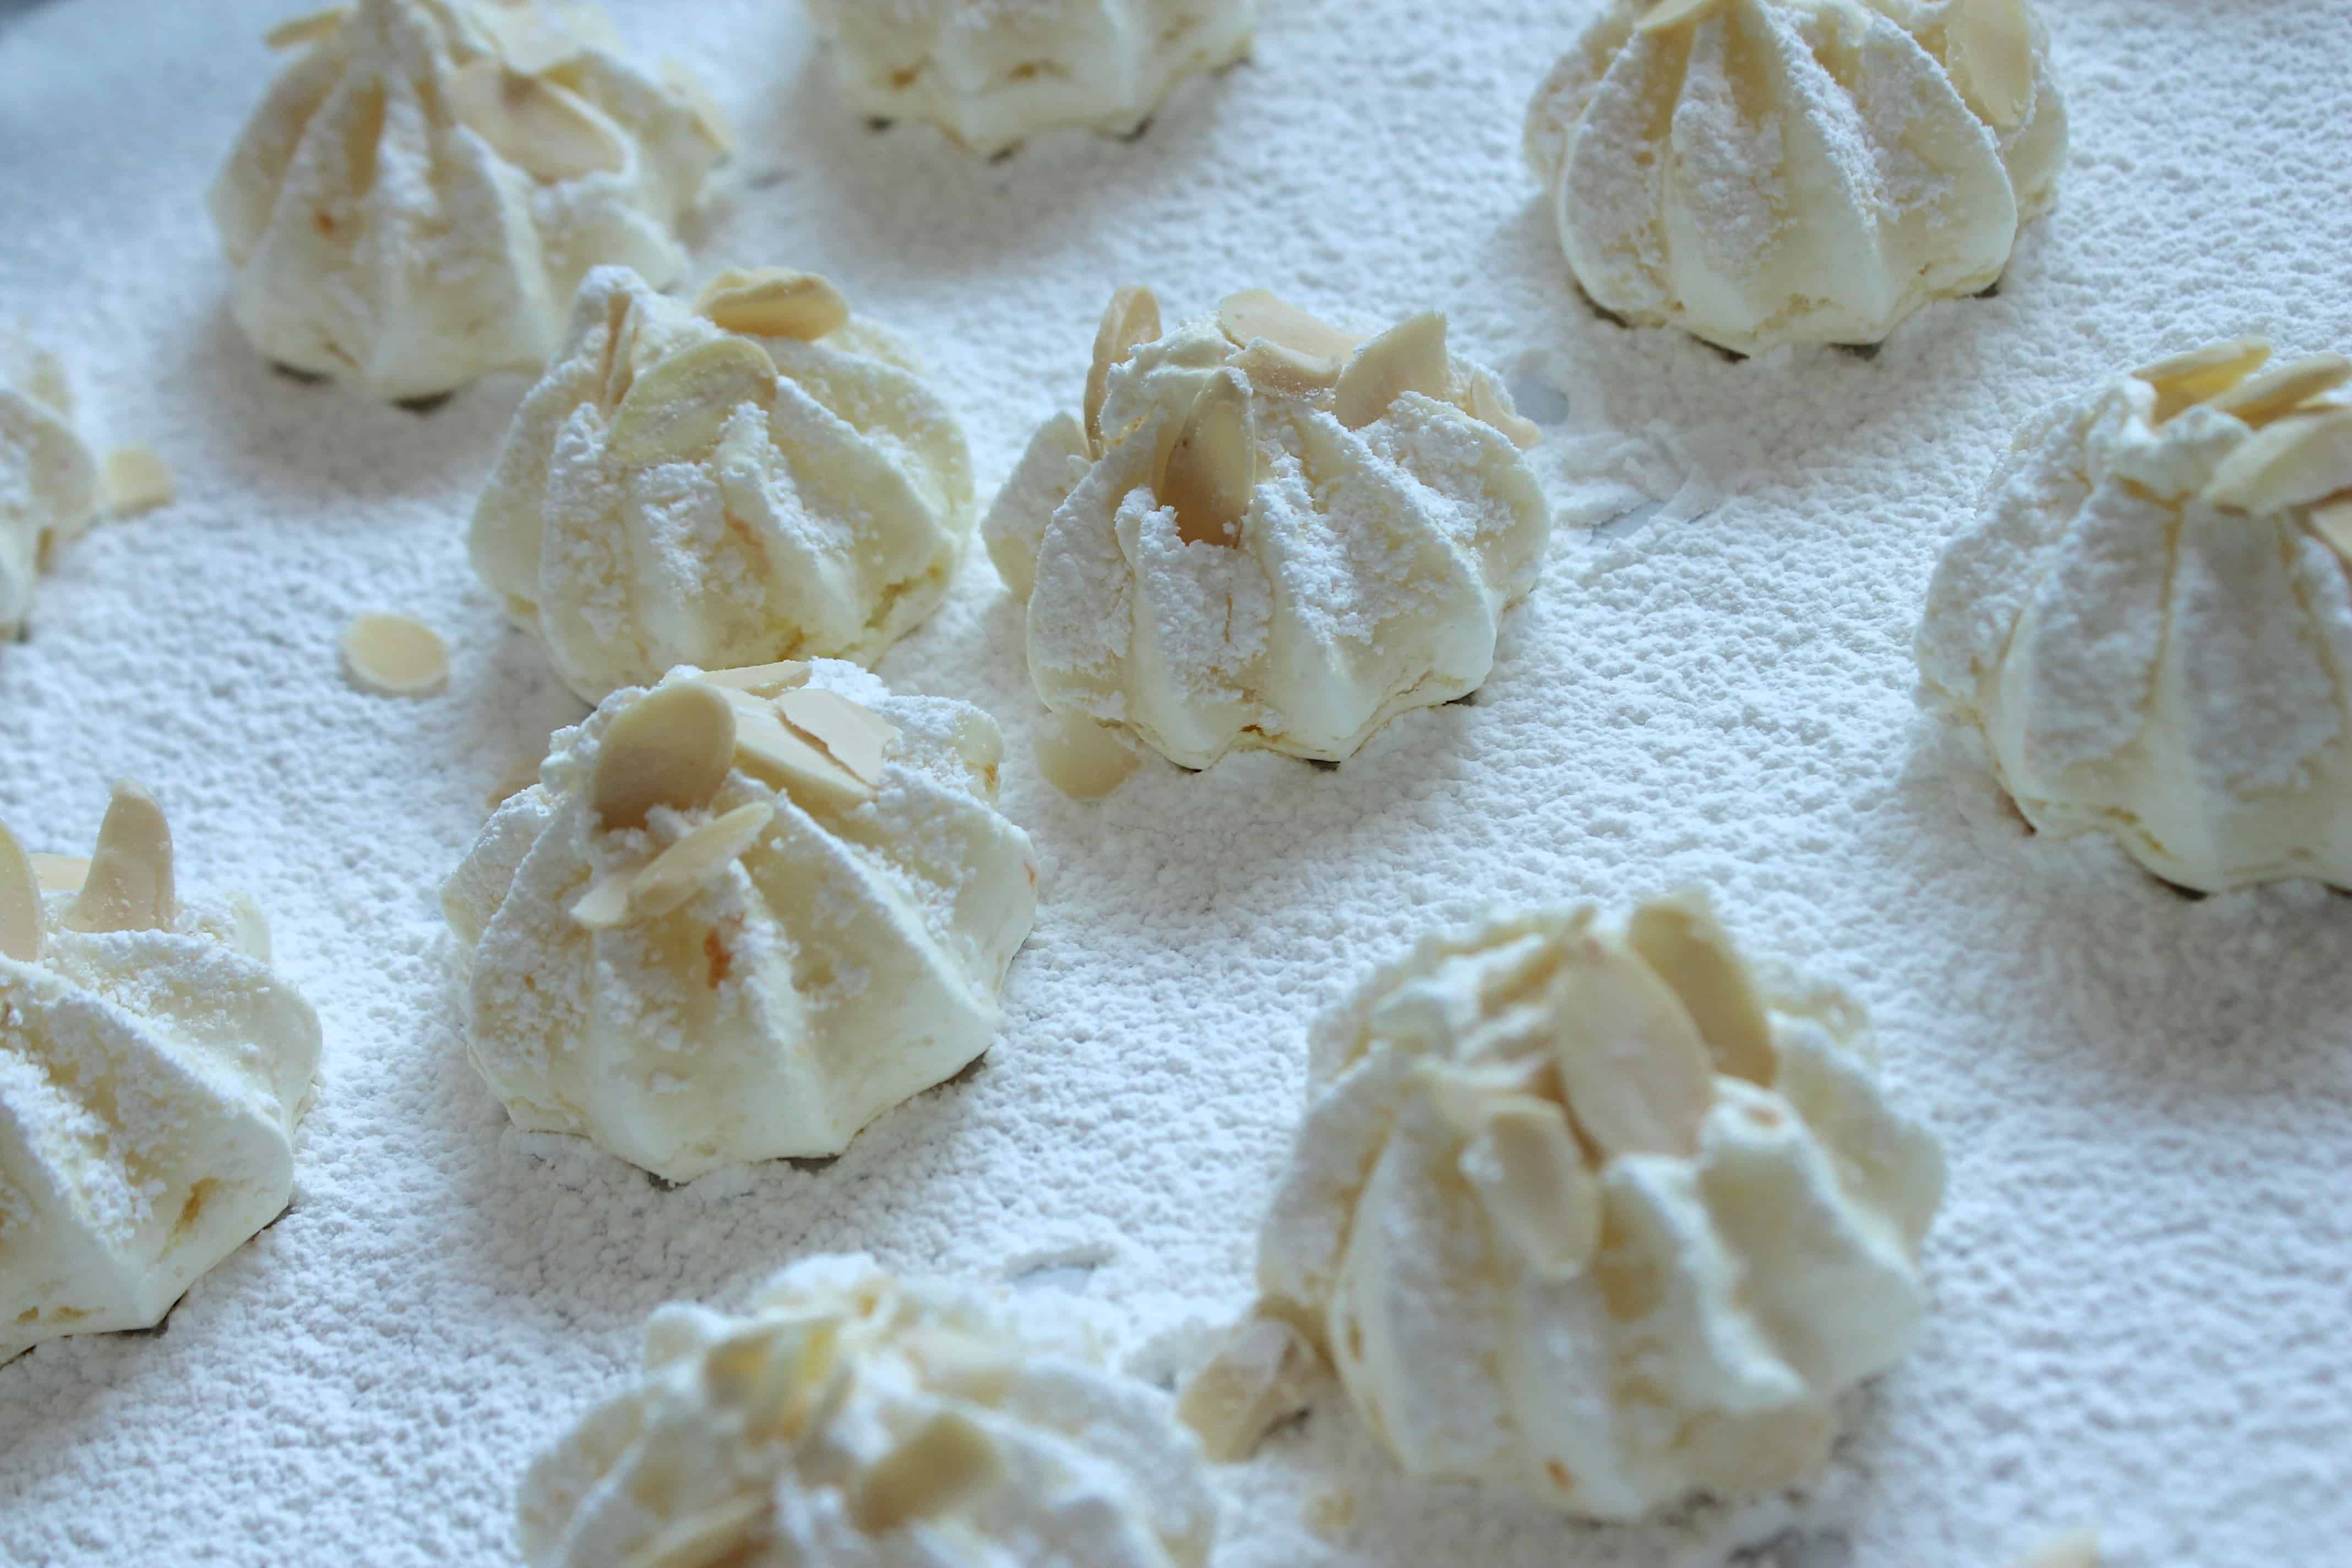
743,914
48,481
1268,532
2150,622
423,188
854,1421
753,478
1597,1217
151,1070
1764,172
992,72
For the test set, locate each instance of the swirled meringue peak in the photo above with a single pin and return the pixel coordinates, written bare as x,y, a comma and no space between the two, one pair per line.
750,479
854,1421
151,1070
741,914
1265,531
991,73
423,188
1766,171
1598,1216
2150,621
48,479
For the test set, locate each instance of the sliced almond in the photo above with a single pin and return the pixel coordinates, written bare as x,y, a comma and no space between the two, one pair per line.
2186,380
2331,519
676,406
20,901
769,749
2078,1550
2292,462
1209,473
1131,319
1082,758
720,1533
1489,405
1271,367
1688,949
1255,313
948,1459
1989,49
1531,1176
673,747
544,130
2283,389
605,904
535,39
395,656
130,882
61,873
1408,357
709,118
1672,13
296,31
773,302
136,480
1636,1075
759,679
1260,1377
854,734
691,864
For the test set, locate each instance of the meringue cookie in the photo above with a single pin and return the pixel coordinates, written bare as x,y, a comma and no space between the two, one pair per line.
1598,1217
851,1419
1268,532
421,191
1766,171
743,914
2150,623
989,73
756,477
48,479
151,1070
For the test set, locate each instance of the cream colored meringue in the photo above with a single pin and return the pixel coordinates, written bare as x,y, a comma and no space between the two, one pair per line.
852,1420
1766,171
991,73
2150,623
423,187
743,914
1598,1216
1268,532
151,1070
48,479
678,492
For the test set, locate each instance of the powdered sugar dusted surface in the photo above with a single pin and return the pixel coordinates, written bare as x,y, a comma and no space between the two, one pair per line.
2140,1274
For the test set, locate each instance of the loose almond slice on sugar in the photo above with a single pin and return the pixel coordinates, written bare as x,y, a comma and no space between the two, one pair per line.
674,747
1530,1175
395,656
1635,1073
2186,380
542,129
852,733
1131,320
2296,461
130,883
1989,48
772,302
1210,472
676,406
687,866
137,480
948,1459
1409,357
20,901
2283,389
1688,949
771,750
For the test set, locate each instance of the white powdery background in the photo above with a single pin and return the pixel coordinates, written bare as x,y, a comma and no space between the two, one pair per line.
2141,1277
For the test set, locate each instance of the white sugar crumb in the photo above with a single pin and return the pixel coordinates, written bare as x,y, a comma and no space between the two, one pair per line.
2144,1098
